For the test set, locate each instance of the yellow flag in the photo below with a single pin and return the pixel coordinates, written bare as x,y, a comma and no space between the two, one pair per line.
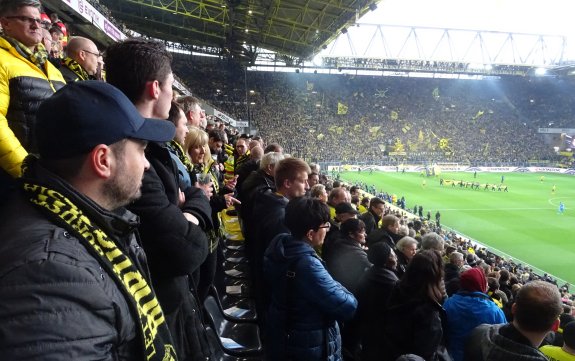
443,143
394,115
341,108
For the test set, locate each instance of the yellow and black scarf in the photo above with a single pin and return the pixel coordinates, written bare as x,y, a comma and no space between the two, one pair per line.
179,151
140,296
76,68
38,56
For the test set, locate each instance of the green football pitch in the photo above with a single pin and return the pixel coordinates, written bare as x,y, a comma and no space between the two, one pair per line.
523,223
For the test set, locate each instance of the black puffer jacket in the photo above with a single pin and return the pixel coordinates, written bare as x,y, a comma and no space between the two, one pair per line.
56,301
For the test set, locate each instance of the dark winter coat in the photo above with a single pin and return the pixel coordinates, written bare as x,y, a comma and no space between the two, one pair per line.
373,294
413,326
346,262
176,248
500,343
305,304
56,300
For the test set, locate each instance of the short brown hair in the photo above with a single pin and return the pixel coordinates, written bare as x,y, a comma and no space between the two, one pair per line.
537,306
288,169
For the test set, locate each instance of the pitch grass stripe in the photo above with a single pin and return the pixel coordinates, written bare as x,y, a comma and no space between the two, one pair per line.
493,210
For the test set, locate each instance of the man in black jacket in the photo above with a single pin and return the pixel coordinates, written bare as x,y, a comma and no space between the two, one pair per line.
172,218
73,277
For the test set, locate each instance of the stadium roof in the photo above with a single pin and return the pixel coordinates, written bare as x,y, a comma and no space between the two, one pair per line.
296,28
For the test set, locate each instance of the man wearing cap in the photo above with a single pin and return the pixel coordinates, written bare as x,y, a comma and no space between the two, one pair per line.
173,219
535,311
469,308
27,78
83,60
73,278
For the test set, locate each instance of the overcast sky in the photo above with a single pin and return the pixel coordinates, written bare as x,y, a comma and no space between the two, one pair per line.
549,17
525,16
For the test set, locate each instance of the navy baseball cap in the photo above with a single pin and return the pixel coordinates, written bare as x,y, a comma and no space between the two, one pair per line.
84,114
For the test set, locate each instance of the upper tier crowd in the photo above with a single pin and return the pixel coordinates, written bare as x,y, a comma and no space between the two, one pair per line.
492,121
113,194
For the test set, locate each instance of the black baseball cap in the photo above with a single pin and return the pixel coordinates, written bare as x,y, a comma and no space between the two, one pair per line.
84,114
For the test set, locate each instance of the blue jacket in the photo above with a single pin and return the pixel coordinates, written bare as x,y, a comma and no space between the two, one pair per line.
465,311
308,330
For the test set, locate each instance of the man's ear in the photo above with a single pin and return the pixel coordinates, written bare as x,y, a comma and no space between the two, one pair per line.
309,234
100,161
153,89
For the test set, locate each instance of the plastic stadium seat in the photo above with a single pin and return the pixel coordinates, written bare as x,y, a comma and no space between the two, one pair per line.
236,338
219,352
241,311
237,270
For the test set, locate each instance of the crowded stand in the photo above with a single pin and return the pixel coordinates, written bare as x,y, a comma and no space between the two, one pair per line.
137,227
466,121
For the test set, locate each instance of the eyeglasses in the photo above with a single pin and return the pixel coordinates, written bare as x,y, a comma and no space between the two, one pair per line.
91,52
326,226
26,19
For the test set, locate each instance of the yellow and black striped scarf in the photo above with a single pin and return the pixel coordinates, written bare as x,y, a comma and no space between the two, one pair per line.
140,296
179,151
38,56
76,68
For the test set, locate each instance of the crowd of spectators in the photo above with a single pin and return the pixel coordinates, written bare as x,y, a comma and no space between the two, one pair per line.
487,121
112,235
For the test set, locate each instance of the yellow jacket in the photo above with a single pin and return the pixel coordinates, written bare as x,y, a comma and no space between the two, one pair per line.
23,86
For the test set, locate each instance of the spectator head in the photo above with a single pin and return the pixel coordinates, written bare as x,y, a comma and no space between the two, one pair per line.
15,18
291,177
255,143
432,240
569,335
390,223
56,33
503,276
274,147
407,246
345,211
192,109
318,191
92,136
241,146
456,258
85,52
424,275
256,153
141,68
492,284
269,161
537,306
377,206
473,280
195,145
177,117
217,139
307,219
336,196
403,230
365,202
382,256
354,228
313,179
354,190
46,39
314,168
